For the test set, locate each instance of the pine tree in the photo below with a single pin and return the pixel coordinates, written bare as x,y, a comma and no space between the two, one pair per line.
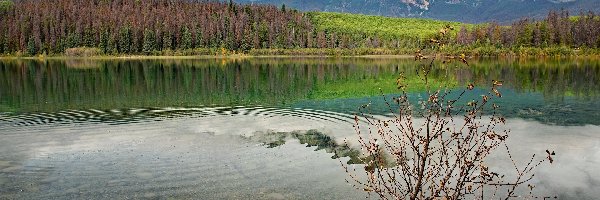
72,41
103,44
149,42
31,50
88,38
199,39
167,41
2,45
125,40
186,39
111,47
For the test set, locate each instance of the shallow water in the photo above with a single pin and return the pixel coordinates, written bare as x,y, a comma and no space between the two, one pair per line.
177,158
199,128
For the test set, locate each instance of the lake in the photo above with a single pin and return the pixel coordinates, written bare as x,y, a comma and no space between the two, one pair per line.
260,128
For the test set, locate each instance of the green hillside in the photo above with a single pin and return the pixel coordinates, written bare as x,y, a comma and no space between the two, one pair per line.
382,27
470,11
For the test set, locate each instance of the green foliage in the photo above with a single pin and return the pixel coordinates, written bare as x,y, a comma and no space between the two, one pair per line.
488,50
125,40
73,40
382,27
31,50
268,30
88,38
104,40
5,5
525,37
149,42
111,46
198,39
167,41
186,39
291,80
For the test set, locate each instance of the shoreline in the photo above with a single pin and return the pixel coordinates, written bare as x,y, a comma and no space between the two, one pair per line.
400,56
138,57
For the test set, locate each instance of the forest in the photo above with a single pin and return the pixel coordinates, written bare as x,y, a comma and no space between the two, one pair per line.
557,34
204,27
134,26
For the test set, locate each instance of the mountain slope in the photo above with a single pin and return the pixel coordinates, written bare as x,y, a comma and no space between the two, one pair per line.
472,11
387,28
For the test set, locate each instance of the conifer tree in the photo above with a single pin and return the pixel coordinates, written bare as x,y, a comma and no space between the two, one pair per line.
125,40
31,50
167,41
149,42
198,40
186,39
103,43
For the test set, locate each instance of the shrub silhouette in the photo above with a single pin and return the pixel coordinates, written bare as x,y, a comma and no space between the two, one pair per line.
437,148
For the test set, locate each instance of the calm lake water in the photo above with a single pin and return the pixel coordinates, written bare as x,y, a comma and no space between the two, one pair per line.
258,128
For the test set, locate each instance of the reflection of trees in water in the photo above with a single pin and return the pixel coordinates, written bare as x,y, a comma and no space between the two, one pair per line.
34,85
554,79
54,84
147,83
312,138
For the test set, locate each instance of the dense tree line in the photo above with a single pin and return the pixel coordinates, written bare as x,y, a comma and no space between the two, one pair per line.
33,27
143,26
150,26
557,29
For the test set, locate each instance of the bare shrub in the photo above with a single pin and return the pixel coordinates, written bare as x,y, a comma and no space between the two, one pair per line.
437,148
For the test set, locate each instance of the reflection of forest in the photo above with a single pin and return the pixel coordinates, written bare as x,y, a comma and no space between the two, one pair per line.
32,85
553,78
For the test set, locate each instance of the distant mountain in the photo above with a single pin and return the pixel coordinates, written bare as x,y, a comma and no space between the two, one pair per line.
472,11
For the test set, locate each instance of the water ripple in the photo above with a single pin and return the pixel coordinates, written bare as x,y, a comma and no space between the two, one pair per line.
11,121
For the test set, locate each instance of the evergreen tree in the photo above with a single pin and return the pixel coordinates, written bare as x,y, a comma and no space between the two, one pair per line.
186,39
199,39
72,41
109,25
88,38
525,36
120,26
111,47
103,44
230,5
125,40
2,45
31,50
137,40
263,35
167,41
149,42
60,45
